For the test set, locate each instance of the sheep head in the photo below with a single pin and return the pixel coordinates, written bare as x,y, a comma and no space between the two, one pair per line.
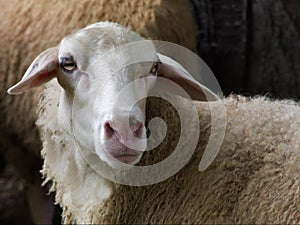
105,75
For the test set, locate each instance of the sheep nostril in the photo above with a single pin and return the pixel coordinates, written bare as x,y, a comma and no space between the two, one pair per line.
121,132
108,130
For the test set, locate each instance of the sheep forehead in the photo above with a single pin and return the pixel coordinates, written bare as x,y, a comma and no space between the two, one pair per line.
110,75
89,46
100,37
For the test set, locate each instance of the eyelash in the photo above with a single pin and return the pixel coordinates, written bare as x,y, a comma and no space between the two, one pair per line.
68,64
154,68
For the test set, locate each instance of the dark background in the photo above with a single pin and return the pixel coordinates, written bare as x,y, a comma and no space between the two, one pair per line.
252,46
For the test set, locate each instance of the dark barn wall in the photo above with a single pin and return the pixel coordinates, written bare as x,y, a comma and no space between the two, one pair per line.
222,34
253,46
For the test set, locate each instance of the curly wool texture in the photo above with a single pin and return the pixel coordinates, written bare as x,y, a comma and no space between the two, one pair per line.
30,27
254,178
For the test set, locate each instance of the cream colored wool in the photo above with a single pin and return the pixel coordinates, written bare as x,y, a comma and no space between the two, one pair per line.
254,179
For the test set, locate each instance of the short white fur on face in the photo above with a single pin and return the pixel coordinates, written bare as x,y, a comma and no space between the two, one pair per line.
91,91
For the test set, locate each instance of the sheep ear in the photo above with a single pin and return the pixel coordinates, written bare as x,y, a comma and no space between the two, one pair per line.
172,70
41,70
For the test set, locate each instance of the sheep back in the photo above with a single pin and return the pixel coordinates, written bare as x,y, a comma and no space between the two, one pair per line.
254,179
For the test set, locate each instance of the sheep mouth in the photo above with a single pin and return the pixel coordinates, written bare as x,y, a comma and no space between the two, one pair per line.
127,158
118,152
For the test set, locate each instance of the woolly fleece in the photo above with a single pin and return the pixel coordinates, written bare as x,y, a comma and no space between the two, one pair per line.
254,178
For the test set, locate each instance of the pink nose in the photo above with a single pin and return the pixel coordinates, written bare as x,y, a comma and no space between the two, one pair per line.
113,128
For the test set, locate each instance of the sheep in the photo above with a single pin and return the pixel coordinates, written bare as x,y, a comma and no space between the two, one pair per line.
29,27
253,179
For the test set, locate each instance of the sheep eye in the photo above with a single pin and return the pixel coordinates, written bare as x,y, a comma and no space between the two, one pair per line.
68,64
154,68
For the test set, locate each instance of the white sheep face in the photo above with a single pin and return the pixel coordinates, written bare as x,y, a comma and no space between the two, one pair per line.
93,68
93,73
